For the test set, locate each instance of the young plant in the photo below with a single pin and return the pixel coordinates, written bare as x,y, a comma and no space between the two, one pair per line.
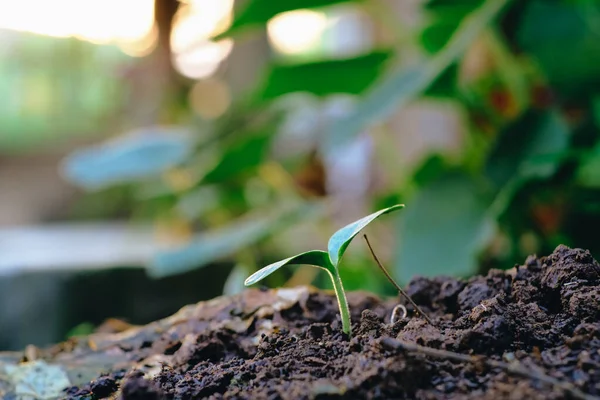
329,260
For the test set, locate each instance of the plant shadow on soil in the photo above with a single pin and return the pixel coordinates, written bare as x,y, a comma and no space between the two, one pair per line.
544,315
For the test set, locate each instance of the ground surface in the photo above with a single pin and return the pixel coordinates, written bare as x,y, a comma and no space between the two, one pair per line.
543,316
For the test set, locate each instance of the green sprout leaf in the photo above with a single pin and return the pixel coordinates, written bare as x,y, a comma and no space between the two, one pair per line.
328,261
339,241
317,258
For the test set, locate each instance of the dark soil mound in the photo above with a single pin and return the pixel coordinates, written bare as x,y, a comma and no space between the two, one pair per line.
542,317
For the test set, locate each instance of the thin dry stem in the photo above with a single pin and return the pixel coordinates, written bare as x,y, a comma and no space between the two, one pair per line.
402,292
515,367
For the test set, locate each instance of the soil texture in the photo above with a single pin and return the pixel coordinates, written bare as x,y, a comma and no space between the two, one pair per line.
532,332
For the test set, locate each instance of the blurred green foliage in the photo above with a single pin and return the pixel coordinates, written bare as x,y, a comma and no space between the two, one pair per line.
69,97
325,77
257,13
527,179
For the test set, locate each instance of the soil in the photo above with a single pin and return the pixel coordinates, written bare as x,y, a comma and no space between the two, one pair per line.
542,317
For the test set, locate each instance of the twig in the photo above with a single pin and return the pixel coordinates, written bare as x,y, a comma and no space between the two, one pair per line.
514,367
402,292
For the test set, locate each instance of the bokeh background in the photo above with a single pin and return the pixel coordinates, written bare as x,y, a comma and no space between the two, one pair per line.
154,153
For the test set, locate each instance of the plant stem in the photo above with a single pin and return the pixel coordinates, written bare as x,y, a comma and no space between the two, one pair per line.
342,302
402,292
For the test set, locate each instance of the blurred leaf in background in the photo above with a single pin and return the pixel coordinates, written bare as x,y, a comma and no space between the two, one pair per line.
213,245
325,77
445,229
395,91
572,27
588,174
481,116
244,156
256,13
132,157
531,147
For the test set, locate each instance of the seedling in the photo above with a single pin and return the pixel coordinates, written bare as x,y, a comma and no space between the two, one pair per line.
328,260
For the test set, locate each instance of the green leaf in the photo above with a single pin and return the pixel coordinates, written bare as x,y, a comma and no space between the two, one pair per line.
242,157
596,109
431,169
444,230
531,147
339,241
588,174
444,4
564,38
322,78
132,157
257,13
446,17
213,245
317,258
83,329
434,37
397,90
444,86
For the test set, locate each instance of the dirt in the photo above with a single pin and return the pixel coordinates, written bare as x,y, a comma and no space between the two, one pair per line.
542,316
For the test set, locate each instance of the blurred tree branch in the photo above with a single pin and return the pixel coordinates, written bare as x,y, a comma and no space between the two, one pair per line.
164,14
157,87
